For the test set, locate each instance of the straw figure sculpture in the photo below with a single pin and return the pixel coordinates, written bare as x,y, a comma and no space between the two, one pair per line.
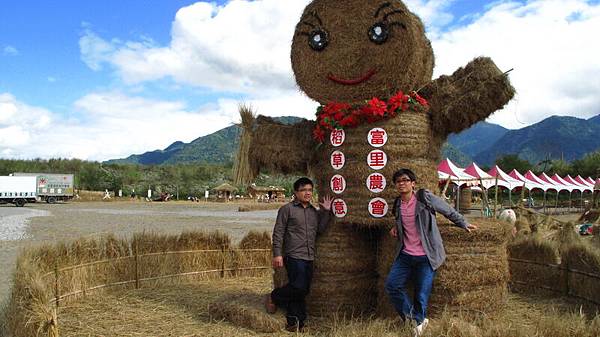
370,65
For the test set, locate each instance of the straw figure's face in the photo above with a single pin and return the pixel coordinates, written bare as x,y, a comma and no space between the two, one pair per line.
352,50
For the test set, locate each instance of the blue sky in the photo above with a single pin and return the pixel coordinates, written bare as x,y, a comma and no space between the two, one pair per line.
107,72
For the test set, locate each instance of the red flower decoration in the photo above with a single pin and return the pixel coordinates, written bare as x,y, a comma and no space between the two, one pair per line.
377,107
319,134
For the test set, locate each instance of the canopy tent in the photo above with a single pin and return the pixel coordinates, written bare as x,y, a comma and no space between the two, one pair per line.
529,184
569,187
485,179
504,179
582,186
591,180
585,182
557,186
543,185
456,174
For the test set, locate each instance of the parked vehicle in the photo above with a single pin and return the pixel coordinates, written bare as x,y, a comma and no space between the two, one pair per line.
17,190
52,187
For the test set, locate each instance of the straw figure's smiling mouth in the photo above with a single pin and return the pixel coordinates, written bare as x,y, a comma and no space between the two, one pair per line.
353,81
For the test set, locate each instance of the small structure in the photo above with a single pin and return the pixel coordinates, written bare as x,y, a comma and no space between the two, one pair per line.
225,192
266,193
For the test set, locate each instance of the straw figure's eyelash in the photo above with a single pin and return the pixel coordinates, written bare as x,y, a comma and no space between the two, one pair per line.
307,22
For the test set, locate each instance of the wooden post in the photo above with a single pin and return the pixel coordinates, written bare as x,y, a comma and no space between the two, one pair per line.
496,196
222,261
136,257
56,289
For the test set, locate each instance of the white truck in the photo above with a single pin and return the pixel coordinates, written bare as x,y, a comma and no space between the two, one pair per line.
52,187
17,190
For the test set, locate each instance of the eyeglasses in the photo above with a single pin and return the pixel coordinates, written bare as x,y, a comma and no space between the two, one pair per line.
403,181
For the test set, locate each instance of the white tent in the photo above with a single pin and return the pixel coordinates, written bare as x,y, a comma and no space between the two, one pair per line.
475,171
458,176
529,184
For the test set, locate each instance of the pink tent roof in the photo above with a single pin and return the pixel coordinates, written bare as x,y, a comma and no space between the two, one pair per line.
555,185
457,174
566,185
487,180
591,180
582,187
583,182
530,185
504,179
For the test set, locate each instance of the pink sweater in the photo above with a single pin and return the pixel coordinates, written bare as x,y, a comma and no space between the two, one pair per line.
412,240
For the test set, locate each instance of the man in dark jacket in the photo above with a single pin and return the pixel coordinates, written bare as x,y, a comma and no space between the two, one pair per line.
296,229
420,249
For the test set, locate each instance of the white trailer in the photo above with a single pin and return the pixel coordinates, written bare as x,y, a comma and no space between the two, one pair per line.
17,190
52,187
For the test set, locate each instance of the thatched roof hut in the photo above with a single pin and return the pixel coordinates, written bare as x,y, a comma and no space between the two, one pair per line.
225,191
273,192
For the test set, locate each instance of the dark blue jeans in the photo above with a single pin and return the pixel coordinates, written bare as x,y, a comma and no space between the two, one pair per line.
291,297
416,268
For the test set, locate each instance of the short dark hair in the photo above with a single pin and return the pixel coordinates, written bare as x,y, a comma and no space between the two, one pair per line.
301,182
404,172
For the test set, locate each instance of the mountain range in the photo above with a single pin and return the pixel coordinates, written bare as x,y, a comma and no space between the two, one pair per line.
556,137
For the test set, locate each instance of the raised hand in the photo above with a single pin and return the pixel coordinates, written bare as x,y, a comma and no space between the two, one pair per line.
471,227
326,204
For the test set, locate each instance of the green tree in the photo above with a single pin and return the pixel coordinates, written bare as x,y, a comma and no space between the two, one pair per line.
512,161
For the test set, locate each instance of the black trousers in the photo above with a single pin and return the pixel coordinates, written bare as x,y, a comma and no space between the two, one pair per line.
292,296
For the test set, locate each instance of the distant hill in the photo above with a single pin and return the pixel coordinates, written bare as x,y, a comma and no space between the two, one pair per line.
218,147
476,139
556,137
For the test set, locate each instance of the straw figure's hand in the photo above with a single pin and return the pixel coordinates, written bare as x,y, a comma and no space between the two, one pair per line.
471,227
468,96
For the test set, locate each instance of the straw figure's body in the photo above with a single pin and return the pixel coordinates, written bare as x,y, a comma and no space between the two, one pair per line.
351,51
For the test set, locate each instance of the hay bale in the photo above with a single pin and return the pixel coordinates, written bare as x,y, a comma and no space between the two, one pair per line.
247,311
256,240
583,262
542,274
474,261
407,52
283,148
344,274
409,146
477,300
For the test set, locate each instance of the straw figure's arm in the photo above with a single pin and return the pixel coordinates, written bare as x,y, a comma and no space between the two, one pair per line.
282,148
468,96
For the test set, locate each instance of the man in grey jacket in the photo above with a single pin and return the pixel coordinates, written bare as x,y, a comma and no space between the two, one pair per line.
420,248
296,229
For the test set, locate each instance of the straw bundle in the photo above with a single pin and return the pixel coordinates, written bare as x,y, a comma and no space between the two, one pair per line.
404,62
583,260
243,171
539,276
255,240
475,271
281,148
246,311
344,274
469,95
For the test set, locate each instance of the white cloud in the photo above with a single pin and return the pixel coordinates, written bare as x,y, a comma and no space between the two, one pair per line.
10,51
111,125
548,43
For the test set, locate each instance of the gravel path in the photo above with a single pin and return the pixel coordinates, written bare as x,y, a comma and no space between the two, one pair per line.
37,224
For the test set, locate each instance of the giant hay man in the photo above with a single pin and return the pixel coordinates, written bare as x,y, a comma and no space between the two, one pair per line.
370,65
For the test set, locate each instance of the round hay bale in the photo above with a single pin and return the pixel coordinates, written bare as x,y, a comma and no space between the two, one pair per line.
407,51
409,145
256,240
344,275
461,272
465,199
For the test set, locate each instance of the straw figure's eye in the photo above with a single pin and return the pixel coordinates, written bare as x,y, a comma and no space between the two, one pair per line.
318,39
379,33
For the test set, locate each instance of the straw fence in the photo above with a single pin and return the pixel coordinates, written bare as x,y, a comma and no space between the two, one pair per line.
48,277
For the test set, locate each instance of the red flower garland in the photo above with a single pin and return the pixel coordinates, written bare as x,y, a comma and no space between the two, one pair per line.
337,115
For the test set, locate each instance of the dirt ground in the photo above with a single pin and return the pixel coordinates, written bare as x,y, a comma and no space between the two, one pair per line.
42,223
